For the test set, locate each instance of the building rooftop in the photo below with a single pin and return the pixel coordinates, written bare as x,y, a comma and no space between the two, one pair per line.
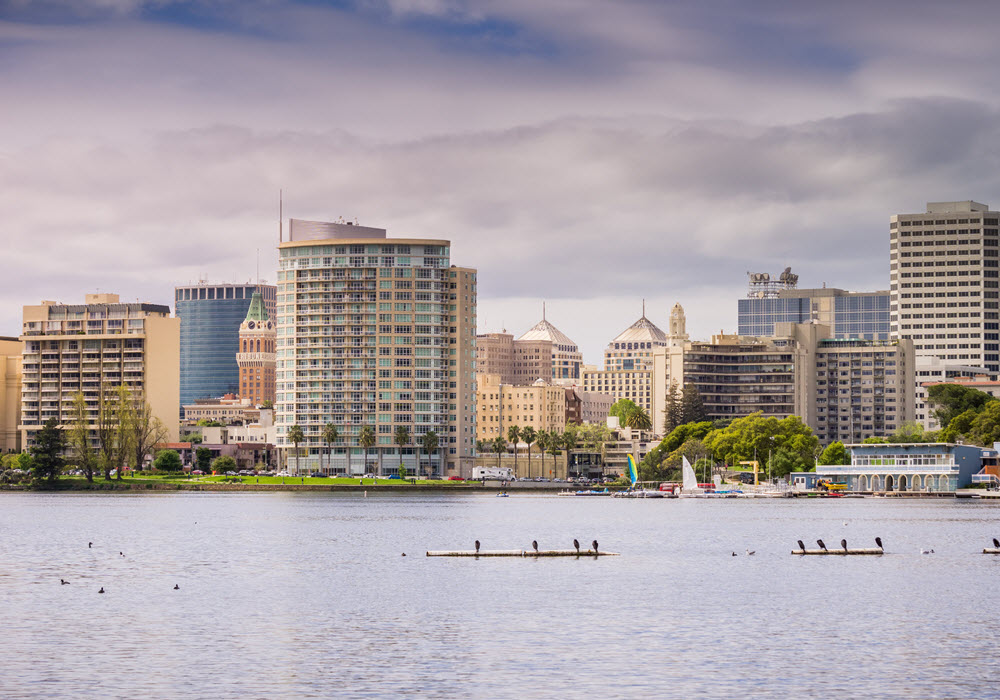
642,330
543,330
256,312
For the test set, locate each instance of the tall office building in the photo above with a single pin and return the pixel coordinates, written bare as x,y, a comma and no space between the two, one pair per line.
256,355
374,331
543,352
943,282
10,394
95,346
211,315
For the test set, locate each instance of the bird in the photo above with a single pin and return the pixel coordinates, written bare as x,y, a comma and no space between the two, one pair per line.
821,545
926,551
734,554
477,546
176,587
403,554
843,543
878,541
802,547
594,544
102,590
65,583
90,545
534,545
750,554
996,543
576,543
845,523
121,554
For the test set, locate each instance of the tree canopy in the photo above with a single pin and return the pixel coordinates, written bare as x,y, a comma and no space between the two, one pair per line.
167,461
692,407
47,460
835,453
950,400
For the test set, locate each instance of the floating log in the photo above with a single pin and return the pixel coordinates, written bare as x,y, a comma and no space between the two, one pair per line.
835,552
990,550
522,553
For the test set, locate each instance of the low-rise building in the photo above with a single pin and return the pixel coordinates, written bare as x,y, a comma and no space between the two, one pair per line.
908,467
227,410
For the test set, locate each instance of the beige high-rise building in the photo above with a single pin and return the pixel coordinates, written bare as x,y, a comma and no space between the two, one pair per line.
102,343
374,331
499,406
543,352
10,394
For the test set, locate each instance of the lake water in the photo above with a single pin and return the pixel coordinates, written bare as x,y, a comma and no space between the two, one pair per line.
306,595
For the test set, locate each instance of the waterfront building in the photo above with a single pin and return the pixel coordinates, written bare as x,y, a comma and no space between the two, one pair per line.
498,406
228,409
95,346
848,314
374,331
211,315
908,467
256,353
10,394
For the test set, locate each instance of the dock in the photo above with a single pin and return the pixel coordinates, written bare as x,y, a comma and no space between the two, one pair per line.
991,550
522,553
835,552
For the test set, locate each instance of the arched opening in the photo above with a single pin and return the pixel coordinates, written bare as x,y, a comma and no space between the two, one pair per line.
915,482
258,345
942,483
888,483
902,483
862,484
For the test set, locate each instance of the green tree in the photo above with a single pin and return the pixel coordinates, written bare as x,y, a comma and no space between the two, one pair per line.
543,440
637,419
498,445
167,461
79,437
528,435
873,440
402,438
430,445
570,440
912,432
555,445
754,436
672,415
267,403
835,453
692,407
621,407
109,429
203,459
205,423
985,428
143,429
295,436
46,454
366,439
959,427
514,435
950,400
330,436
223,464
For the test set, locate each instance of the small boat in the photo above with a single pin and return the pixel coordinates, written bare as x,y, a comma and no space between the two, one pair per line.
503,495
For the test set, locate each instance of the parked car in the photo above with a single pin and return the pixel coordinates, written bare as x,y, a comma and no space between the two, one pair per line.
369,475
395,476
456,478
198,472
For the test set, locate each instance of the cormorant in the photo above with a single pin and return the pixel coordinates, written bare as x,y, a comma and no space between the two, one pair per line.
750,554
594,544
102,590
176,587
821,545
121,554
996,543
534,545
576,543
734,554
802,547
477,546
90,545
878,541
65,583
843,543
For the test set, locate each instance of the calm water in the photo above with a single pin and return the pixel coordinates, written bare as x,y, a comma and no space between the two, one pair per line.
289,595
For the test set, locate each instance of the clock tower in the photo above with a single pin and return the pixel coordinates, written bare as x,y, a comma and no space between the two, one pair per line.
256,353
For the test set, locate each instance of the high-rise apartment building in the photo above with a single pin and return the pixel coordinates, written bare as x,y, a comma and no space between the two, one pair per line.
10,394
95,347
944,282
379,332
211,315
256,353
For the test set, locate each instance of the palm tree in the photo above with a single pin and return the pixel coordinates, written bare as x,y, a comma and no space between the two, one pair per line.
514,434
402,438
330,436
543,439
366,439
555,442
528,434
571,440
499,445
295,436
637,419
430,443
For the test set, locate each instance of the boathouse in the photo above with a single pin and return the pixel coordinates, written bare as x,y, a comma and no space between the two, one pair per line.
935,467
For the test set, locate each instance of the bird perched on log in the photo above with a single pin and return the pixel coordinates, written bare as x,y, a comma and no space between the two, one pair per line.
878,541
477,546
821,545
996,543
576,543
843,543
802,547
534,545
594,545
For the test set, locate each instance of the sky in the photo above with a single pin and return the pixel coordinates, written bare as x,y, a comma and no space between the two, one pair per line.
591,154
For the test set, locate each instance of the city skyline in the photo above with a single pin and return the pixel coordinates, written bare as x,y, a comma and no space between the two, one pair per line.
588,156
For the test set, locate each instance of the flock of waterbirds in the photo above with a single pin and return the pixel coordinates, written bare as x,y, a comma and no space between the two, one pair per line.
90,545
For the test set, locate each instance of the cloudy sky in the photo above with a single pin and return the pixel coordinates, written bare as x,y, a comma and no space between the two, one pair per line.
589,153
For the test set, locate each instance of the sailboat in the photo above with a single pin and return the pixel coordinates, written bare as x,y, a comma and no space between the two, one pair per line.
689,482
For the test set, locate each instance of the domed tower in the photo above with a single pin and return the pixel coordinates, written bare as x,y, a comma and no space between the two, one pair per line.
678,324
256,353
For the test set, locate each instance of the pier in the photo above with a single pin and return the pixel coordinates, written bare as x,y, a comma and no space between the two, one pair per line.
522,553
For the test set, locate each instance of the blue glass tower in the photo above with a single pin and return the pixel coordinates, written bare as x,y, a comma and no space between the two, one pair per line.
848,314
211,315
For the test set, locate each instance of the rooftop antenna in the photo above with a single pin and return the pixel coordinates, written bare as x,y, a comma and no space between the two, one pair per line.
543,309
281,226
644,308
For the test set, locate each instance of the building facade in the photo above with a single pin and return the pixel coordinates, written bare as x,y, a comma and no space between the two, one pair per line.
210,316
543,352
913,467
256,353
848,314
379,332
499,406
94,347
10,394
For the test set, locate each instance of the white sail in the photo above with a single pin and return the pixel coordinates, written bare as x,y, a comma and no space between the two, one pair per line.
718,482
690,482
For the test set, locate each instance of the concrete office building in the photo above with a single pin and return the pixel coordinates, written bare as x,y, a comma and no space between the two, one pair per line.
543,352
10,394
499,406
848,314
95,346
374,331
256,353
211,315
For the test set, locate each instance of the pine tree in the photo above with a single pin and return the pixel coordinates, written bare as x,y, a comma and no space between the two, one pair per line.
692,407
47,460
672,413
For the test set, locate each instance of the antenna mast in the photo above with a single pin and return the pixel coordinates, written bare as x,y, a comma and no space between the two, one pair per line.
281,231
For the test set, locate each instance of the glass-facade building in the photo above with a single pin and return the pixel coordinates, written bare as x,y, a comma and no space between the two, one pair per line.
211,315
863,315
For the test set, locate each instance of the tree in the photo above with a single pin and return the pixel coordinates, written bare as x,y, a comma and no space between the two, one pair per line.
46,454
366,439
912,432
203,459
402,438
950,400
622,407
79,437
430,445
109,432
223,464
692,407
267,403
835,453
295,436
499,445
126,432
754,436
960,426
143,428
205,423
514,435
528,435
555,442
637,419
570,440
167,461
672,416
330,436
543,439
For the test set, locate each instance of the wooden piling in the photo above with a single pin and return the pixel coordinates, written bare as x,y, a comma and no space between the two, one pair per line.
991,550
